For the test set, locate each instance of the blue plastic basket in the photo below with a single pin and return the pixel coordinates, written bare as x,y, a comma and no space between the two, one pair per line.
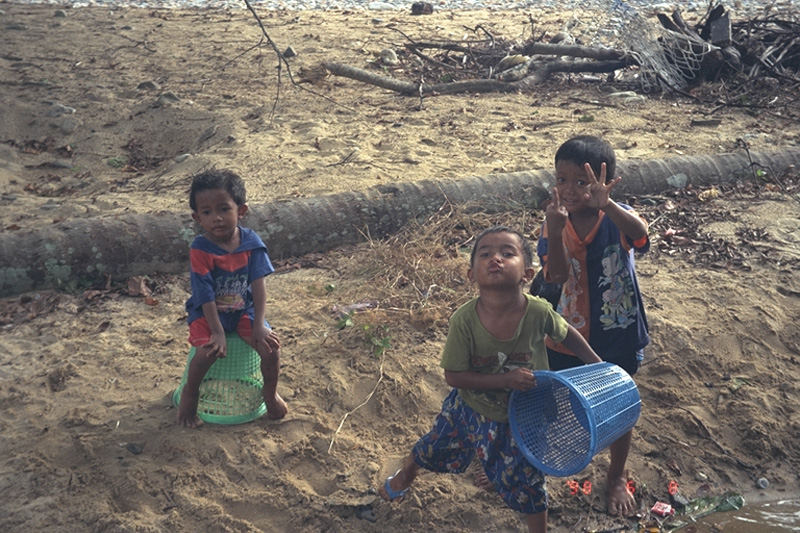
571,415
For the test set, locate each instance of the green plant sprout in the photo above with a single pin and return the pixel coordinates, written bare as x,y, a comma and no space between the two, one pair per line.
378,338
117,162
345,321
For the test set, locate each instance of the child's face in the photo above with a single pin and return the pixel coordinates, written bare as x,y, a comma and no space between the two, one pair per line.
499,262
572,183
218,215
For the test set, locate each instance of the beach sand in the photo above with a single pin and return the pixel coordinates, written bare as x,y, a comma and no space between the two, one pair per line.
88,426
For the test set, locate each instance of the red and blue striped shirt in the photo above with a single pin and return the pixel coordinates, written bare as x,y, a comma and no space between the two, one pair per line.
226,277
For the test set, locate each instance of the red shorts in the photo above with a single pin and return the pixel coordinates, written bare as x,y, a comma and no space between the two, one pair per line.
200,332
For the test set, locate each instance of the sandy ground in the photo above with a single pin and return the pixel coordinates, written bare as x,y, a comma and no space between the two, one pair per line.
149,97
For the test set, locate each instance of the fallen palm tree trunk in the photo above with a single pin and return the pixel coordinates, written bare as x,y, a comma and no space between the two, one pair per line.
84,252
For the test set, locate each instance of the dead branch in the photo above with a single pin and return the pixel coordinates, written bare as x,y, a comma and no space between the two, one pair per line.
540,70
449,46
281,61
537,72
415,47
416,89
531,49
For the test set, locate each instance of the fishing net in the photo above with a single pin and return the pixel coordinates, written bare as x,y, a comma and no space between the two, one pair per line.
667,60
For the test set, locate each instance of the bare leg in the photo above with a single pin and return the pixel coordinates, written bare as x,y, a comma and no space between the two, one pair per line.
190,395
403,479
270,368
537,523
619,498
481,480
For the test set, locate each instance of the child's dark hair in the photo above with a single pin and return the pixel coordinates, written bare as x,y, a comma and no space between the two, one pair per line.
217,179
524,245
589,149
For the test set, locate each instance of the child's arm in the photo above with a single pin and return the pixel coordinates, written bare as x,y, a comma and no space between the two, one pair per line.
575,342
262,335
556,217
599,191
518,379
629,224
217,341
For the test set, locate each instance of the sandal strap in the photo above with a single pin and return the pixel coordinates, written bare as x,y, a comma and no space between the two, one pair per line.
393,494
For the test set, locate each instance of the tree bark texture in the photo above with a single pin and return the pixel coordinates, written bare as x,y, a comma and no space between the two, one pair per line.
408,88
84,252
538,71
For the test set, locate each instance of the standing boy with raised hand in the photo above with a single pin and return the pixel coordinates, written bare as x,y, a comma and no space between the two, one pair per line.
587,245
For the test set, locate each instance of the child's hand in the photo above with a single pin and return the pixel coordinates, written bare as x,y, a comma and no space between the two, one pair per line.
521,379
599,191
216,346
266,338
556,215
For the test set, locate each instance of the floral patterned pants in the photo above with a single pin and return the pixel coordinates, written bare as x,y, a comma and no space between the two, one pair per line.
460,433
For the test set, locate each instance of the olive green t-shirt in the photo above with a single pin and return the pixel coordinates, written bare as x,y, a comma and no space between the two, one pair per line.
471,348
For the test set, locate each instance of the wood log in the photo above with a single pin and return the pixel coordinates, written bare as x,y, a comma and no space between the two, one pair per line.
83,252
415,89
612,54
539,71
714,14
720,34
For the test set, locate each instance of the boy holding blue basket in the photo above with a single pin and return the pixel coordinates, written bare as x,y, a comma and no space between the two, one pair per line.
494,343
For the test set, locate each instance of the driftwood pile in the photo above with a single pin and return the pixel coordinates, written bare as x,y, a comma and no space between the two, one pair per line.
755,58
760,54
763,46
484,63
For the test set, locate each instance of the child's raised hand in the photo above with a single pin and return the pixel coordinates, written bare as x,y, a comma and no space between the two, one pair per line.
599,191
521,379
556,214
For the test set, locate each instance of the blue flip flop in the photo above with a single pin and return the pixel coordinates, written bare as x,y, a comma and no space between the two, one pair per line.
393,494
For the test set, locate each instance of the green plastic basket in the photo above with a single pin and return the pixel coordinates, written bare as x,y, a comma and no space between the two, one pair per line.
231,391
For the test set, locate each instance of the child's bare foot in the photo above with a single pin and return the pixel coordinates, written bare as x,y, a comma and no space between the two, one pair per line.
187,409
481,480
276,407
620,500
395,487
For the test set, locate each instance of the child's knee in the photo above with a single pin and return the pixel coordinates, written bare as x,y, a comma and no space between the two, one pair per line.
269,355
203,356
